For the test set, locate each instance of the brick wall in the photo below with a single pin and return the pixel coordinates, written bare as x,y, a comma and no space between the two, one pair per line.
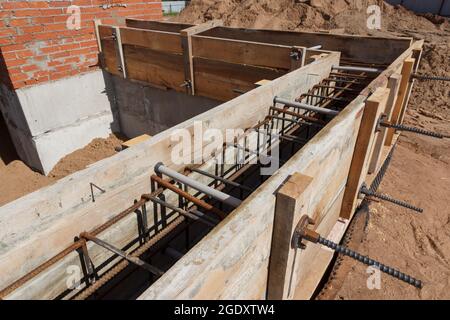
37,46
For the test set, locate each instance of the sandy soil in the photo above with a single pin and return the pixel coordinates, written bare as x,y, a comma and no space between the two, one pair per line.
17,179
420,171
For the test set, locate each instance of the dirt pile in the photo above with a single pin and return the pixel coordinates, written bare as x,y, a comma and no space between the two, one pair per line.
97,150
17,179
349,16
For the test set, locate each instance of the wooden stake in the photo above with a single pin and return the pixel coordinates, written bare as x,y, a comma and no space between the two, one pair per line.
364,144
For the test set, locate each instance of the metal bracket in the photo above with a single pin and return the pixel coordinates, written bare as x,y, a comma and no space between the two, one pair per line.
301,232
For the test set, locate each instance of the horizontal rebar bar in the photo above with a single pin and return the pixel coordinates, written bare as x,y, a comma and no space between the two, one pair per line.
305,106
360,69
223,197
121,253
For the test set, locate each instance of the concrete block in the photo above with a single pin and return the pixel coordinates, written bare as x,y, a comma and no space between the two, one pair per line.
48,121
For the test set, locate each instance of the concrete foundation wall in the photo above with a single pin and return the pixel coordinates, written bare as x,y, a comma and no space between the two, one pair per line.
48,121
143,109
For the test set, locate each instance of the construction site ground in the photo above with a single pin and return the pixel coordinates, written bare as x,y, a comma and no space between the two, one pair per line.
419,172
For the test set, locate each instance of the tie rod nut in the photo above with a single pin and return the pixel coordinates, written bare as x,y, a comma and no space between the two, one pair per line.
302,232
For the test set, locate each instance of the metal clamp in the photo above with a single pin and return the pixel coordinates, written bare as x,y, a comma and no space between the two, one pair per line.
302,232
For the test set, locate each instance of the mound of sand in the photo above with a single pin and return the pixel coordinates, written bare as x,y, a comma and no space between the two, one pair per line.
349,16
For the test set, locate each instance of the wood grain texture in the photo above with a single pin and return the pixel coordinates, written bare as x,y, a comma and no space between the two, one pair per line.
393,85
367,134
407,70
292,202
242,52
166,26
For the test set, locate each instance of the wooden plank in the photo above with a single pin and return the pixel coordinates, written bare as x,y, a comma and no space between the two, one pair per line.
407,70
57,213
155,40
166,26
417,56
219,80
119,52
186,43
135,141
109,56
242,52
393,85
97,22
157,68
375,104
292,202
359,48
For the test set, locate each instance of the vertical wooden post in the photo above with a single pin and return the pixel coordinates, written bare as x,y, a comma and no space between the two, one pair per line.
417,56
186,43
393,85
119,52
97,22
407,69
292,202
364,144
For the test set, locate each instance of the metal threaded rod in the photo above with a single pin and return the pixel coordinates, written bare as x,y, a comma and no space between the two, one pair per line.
427,77
367,192
402,127
370,262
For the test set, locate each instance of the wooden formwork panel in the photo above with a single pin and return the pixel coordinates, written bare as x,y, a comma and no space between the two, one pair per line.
46,222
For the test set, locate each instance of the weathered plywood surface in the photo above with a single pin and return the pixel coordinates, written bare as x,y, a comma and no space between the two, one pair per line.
166,26
359,48
155,40
36,227
367,135
158,68
393,85
233,259
242,52
219,80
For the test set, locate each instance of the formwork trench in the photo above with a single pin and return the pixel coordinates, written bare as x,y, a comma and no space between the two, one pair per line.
165,223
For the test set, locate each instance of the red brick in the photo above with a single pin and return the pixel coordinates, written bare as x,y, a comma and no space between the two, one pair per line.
27,13
43,19
15,5
13,47
19,22
29,68
91,43
70,46
33,29
41,73
59,55
15,63
72,60
55,27
50,12
44,35
50,49
82,2
60,4
25,54
54,63
24,38
18,84
18,77
9,55
6,41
